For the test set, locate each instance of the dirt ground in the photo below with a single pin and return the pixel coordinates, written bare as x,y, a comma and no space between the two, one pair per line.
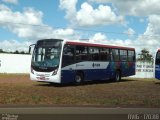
130,92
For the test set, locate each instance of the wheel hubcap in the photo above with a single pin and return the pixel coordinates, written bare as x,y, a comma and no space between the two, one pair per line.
78,79
117,77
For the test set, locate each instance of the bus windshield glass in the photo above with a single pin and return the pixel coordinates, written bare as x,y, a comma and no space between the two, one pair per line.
46,55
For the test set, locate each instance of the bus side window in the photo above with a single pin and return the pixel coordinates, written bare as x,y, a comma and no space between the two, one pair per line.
131,56
123,55
94,54
81,53
68,55
104,54
115,55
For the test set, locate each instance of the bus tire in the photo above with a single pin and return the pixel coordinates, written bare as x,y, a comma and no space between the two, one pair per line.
78,78
117,76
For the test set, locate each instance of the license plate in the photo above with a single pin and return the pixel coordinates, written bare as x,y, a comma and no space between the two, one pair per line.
41,78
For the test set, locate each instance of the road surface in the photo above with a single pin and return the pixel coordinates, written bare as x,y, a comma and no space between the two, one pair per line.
78,113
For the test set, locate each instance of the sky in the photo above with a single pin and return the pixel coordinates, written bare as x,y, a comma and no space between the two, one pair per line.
132,23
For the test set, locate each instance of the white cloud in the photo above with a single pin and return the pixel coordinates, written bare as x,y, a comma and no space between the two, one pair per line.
153,27
11,1
17,22
88,16
4,8
130,32
134,7
151,37
102,38
70,7
98,37
143,41
28,16
63,32
12,45
29,24
103,15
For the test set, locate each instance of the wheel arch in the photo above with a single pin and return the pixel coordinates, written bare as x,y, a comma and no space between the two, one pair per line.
81,72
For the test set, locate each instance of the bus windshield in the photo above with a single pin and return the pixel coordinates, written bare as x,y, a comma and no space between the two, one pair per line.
46,55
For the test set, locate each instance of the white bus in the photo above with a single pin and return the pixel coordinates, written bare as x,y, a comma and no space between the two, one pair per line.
63,61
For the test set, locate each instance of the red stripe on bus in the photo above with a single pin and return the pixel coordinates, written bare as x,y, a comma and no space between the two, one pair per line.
99,45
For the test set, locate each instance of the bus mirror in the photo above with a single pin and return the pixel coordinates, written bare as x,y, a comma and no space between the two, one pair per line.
30,47
29,50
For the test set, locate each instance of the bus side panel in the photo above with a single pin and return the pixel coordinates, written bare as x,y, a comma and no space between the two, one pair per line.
157,71
67,76
127,69
93,70
96,74
111,69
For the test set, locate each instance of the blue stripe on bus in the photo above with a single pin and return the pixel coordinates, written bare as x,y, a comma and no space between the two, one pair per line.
68,76
157,72
157,75
96,74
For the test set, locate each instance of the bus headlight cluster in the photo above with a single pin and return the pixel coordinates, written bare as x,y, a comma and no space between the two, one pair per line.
55,72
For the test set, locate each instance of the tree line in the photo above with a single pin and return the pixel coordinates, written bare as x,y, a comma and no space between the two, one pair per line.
15,52
145,56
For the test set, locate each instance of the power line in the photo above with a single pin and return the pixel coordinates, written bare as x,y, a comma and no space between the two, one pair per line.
27,24
78,29
75,28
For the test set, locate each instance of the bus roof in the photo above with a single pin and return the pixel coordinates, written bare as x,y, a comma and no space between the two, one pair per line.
74,42
97,45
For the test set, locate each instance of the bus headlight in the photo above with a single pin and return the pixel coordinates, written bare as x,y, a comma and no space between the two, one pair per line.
55,72
32,71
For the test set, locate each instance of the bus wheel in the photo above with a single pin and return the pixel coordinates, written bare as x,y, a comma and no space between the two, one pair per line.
78,78
118,76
